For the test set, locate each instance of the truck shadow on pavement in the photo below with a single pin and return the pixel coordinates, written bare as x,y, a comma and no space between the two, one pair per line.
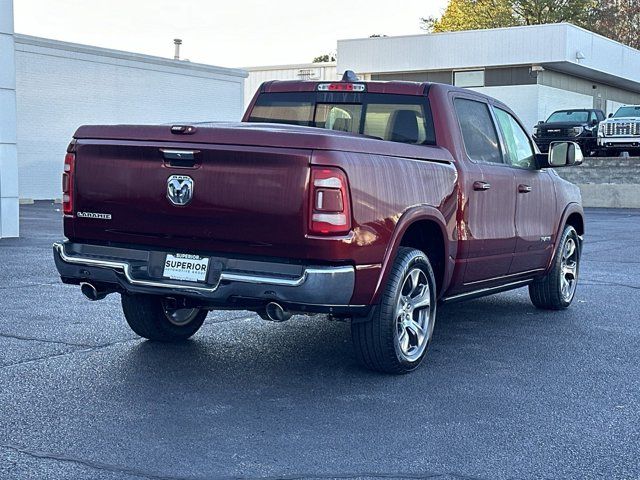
250,353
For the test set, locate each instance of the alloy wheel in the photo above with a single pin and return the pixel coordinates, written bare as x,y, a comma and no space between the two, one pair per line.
414,315
569,269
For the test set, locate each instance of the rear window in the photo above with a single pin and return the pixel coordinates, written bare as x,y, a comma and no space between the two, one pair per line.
397,118
573,116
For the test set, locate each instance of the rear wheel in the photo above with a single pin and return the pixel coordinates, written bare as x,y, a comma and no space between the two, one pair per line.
154,318
556,290
396,339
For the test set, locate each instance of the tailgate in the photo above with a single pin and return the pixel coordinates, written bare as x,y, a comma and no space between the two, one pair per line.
245,199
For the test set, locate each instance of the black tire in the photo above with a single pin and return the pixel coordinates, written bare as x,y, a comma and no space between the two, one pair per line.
149,317
377,342
548,292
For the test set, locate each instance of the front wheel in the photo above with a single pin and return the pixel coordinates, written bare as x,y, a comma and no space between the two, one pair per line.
154,318
556,290
396,339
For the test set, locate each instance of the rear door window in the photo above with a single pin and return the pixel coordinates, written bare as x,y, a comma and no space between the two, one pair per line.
478,130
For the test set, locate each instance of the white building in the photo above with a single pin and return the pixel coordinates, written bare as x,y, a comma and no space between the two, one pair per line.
534,69
58,86
8,151
61,86
300,71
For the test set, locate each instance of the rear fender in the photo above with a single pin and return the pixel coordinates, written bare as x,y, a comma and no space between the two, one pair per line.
411,216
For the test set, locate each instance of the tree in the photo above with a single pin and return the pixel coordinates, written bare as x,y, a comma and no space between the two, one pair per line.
615,19
327,57
480,14
472,15
619,20
537,12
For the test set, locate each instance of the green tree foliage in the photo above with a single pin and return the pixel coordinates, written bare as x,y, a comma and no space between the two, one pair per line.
616,19
536,12
472,15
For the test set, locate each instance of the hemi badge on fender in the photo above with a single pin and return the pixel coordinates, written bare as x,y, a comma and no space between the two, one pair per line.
545,239
96,216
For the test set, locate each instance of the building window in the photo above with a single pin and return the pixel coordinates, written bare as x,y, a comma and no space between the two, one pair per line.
469,78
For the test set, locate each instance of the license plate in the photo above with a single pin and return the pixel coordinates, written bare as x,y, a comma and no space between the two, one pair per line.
188,268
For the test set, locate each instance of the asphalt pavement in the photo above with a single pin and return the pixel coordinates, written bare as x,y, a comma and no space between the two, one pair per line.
507,391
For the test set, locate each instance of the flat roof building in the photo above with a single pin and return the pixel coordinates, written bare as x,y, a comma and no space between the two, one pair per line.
49,88
533,69
298,71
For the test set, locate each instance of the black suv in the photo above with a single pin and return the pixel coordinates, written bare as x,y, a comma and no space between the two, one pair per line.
579,126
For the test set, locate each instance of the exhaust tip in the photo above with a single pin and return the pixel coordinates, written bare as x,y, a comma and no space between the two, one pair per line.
91,292
276,313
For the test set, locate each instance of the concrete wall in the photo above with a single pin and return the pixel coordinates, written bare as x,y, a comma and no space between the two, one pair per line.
607,182
61,86
258,75
8,152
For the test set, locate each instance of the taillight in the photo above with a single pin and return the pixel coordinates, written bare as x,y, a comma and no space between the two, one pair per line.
329,203
67,183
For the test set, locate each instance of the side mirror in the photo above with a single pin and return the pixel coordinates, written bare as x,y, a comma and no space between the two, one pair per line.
594,122
610,115
564,154
540,122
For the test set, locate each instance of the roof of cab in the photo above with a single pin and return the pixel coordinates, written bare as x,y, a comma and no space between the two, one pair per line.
394,87
391,87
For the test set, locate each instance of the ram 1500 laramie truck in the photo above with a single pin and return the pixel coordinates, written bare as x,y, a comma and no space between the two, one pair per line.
367,201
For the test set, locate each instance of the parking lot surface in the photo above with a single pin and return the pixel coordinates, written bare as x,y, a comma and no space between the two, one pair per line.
507,391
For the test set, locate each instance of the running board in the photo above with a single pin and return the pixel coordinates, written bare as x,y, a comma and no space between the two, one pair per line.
486,291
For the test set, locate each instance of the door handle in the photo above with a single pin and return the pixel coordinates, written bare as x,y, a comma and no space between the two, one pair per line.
481,186
524,188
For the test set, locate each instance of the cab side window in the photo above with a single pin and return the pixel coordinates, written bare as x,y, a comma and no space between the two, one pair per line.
520,153
478,131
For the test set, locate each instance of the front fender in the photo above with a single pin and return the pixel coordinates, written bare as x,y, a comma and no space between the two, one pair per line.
570,209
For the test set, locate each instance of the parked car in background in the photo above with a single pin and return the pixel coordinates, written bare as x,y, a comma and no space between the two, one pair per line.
578,126
368,201
620,132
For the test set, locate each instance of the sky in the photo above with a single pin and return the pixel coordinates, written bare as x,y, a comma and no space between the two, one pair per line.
234,33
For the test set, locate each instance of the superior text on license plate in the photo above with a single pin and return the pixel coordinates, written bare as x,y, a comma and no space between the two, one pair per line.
189,268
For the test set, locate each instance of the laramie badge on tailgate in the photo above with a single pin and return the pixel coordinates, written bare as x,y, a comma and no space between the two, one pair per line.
96,216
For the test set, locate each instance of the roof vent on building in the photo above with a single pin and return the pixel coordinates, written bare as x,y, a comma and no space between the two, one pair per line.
177,42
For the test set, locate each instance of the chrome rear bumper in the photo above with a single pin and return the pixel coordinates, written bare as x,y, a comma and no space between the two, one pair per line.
139,271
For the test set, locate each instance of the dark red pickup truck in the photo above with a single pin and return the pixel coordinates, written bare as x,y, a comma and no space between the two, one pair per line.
367,201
